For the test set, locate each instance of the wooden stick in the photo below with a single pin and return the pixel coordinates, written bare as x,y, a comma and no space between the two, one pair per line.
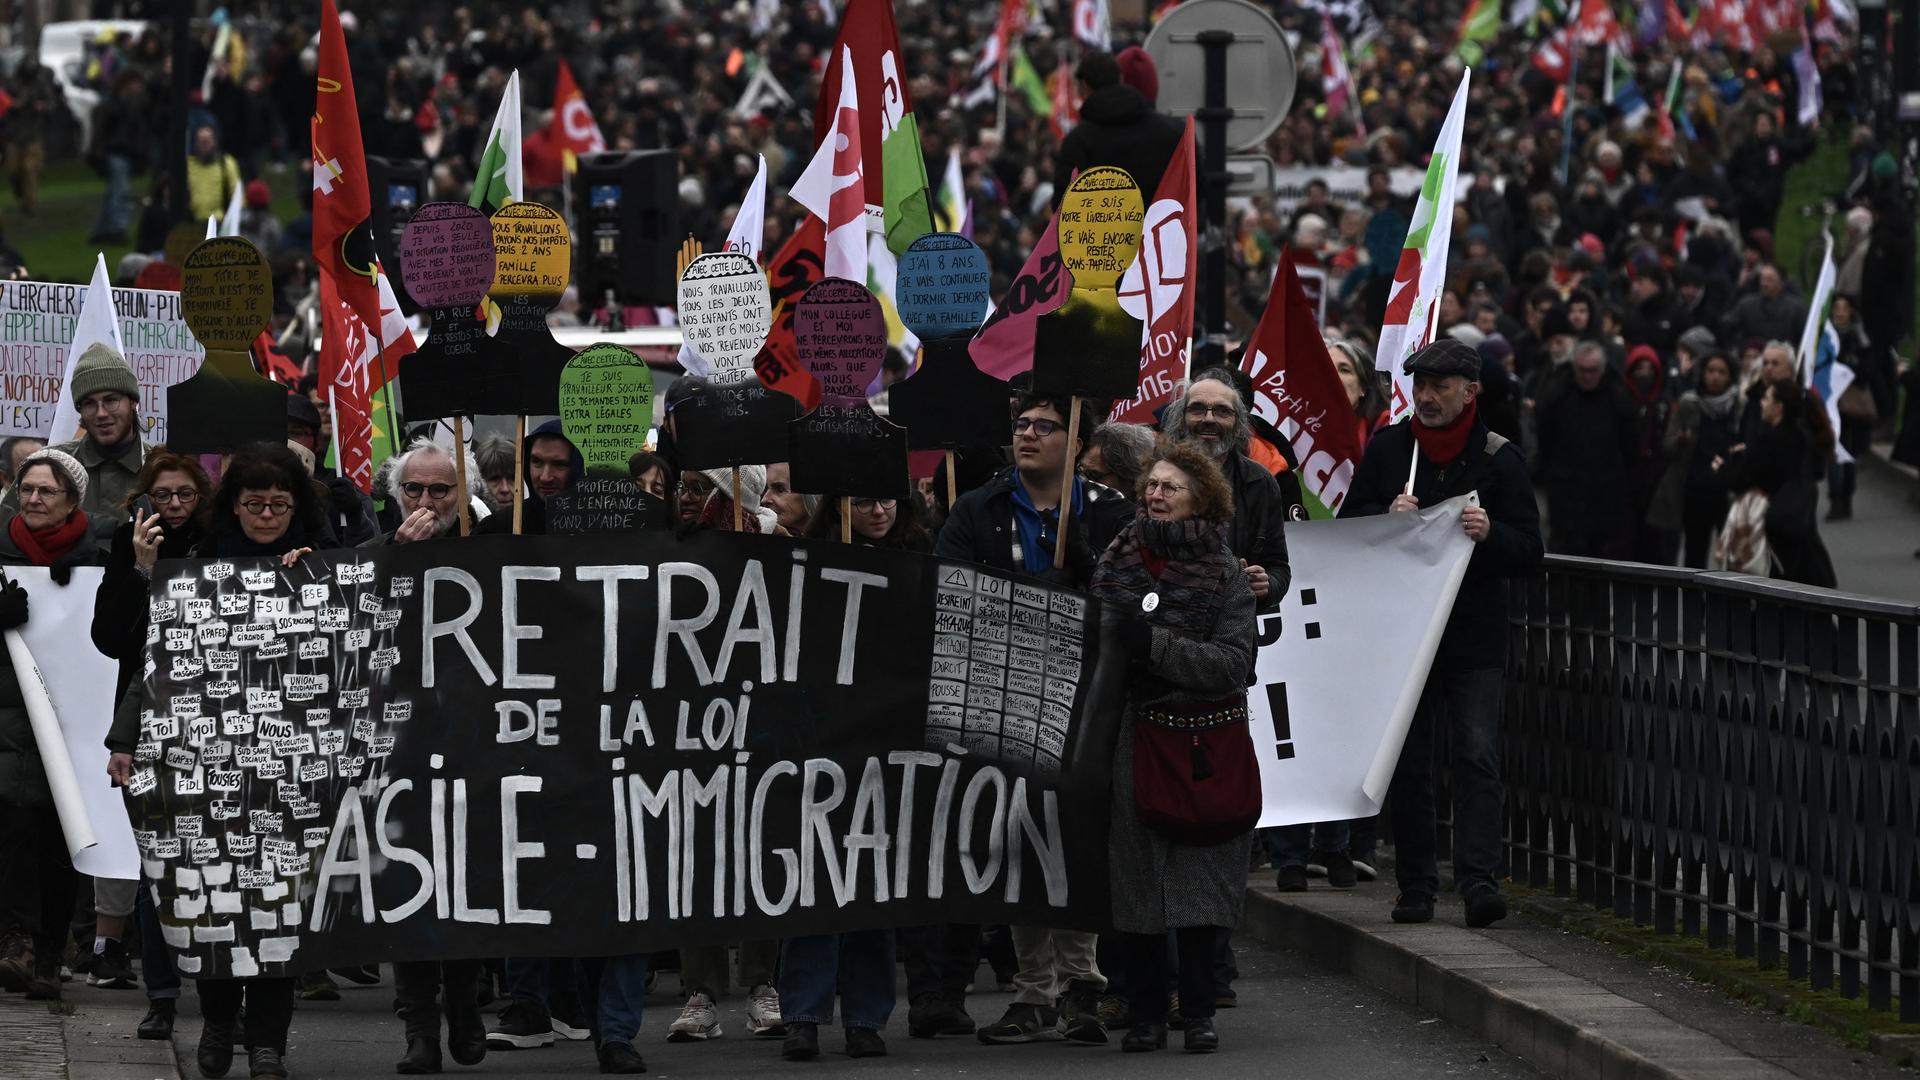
953,485
1413,467
736,498
519,469
846,519
460,467
1066,489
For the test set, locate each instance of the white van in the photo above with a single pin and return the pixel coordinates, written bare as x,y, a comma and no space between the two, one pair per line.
63,51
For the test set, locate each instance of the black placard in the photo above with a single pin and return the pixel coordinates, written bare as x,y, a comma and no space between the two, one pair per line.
225,406
458,371
742,424
600,504
845,448
948,404
1089,347
547,747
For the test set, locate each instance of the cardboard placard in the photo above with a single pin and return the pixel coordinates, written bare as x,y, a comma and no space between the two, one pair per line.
725,313
606,406
447,251
40,318
741,424
226,299
226,293
942,288
841,336
1090,346
532,254
604,504
948,403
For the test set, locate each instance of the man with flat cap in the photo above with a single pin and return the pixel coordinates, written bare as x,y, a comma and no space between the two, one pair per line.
1457,454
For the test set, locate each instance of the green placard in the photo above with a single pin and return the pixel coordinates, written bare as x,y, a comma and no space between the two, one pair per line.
606,405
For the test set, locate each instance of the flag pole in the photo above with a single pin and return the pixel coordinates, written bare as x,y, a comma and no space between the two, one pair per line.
519,468
1066,487
1433,323
1573,72
460,466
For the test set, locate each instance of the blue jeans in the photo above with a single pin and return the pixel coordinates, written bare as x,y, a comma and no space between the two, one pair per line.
1292,845
156,960
116,205
528,980
623,995
860,963
1467,705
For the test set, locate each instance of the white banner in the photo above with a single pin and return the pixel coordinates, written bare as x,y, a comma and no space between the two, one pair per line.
37,324
80,683
1342,665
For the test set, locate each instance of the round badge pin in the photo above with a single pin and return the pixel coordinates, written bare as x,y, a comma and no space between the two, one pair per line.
1149,602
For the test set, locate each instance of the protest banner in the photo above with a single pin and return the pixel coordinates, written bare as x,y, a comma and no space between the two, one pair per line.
843,448
392,754
947,403
226,296
37,324
448,257
796,267
1004,346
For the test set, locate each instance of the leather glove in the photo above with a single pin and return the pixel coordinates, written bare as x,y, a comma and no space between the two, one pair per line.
1136,636
61,570
13,605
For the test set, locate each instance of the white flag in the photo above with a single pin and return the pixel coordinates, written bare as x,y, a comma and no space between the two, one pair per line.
98,323
1090,23
500,179
230,224
833,186
746,237
213,226
1414,300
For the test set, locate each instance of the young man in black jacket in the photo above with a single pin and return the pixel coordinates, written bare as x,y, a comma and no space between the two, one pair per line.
1457,455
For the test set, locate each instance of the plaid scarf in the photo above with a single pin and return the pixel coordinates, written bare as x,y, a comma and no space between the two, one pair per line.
1190,587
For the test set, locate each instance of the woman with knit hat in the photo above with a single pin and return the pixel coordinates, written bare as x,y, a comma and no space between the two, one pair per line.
37,887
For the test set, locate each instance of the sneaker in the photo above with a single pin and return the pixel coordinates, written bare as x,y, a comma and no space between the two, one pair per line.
698,1020
1291,879
1340,871
1113,1012
158,1023
523,1025
317,986
571,1028
1364,870
763,1013
369,975
1022,1023
16,961
619,1057
110,968
1175,1019
1080,1014
1413,907
1485,906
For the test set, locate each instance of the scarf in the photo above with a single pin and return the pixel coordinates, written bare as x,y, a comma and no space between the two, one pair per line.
44,547
1441,445
234,543
1190,585
1038,528
1718,406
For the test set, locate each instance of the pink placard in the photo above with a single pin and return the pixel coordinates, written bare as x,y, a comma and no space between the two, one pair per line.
446,255
841,337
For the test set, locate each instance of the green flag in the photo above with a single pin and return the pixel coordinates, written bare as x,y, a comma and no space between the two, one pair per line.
1029,82
499,180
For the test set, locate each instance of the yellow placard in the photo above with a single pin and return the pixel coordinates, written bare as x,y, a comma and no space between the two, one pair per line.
226,293
532,251
1100,221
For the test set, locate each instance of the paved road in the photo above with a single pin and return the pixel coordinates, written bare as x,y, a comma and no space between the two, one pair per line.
1295,1021
1873,552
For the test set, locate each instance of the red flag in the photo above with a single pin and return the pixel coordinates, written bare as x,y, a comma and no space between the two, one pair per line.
797,265
572,128
1296,389
274,364
1158,289
879,75
344,350
342,237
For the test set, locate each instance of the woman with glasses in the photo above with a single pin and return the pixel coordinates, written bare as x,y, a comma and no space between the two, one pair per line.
887,523
166,516
1186,787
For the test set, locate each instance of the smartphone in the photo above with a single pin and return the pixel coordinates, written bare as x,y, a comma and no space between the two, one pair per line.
142,508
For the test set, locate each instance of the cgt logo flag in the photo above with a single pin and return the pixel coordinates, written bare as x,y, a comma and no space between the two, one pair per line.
832,187
1158,288
572,128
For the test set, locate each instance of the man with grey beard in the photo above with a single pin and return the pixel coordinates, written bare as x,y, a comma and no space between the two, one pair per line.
1212,415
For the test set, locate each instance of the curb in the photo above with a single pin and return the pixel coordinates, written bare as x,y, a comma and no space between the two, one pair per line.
1557,1022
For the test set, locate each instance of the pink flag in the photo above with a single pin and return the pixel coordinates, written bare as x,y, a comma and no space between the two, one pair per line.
1004,346
1336,80
833,187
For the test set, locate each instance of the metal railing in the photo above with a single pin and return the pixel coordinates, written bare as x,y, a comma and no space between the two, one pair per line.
1723,756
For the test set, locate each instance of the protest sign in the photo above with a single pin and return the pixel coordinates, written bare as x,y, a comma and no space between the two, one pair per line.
843,447
1004,346
606,406
740,424
796,267
37,324
226,297
605,504
532,253
391,754
1090,346
725,313
947,403
447,254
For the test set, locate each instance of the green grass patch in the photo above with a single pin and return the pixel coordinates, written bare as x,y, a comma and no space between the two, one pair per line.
1796,235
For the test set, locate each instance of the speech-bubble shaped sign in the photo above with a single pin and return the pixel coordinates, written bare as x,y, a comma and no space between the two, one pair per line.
532,251
725,313
943,286
1100,222
447,255
226,293
841,336
606,405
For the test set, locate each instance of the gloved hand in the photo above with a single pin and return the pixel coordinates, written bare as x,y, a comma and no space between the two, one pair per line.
13,605
61,570
1136,636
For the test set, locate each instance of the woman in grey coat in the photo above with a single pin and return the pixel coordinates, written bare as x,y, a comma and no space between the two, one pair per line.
1185,615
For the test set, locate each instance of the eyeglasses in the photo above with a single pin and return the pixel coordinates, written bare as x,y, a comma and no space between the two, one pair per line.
1200,412
693,487
1167,486
868,506
184,496
100,402
1040,428
44,494
265,507
413,489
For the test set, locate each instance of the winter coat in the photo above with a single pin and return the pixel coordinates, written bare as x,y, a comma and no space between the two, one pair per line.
1586,450
1779,457
980,528
1476,635
1694,437
1159,883
23,779
120,610
1757,316
1118,127
110,479
1257,533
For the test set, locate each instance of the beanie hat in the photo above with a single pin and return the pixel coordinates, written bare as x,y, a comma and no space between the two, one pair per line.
100,368
753,485
1137,71
1699,342
63,462
258,195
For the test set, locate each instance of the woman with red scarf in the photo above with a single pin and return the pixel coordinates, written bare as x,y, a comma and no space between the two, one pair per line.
36,877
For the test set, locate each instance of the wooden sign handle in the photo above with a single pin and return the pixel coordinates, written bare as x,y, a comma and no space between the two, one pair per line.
736,498
460,469
846,519
519,469
1066,488
953,484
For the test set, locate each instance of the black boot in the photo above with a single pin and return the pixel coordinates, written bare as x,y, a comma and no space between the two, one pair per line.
158,1023
802,1042
466,1032
1144,1037
215,1052
1200,1036
421,1059
267,1063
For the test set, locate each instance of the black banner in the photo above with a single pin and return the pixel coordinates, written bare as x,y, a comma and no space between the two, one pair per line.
601,745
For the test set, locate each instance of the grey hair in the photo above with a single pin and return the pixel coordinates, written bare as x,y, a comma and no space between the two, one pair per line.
1792,351
1124,449
476,484
494,453
1174,421
1585,347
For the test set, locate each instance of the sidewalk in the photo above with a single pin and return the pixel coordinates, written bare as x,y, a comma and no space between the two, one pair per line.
90,1034
1572,1008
